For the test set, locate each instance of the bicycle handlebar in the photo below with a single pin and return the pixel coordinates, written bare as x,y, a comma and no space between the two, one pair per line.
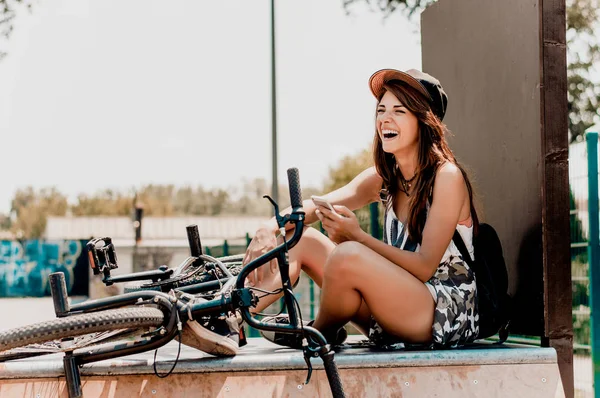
297,217
295,191
194,240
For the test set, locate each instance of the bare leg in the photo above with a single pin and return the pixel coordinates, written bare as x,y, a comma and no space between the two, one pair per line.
354,274
310,255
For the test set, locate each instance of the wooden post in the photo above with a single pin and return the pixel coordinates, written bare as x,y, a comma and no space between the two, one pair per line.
558,328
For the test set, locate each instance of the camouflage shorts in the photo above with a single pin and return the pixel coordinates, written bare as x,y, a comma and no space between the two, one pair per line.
455,322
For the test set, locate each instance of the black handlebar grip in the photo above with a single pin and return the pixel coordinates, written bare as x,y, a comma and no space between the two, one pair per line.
294,184
194,240
333,376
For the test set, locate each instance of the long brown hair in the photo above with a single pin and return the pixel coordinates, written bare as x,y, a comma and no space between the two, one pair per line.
433,152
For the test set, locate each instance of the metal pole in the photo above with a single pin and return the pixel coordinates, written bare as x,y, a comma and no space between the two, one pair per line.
274,188
225,248
593,252
374,211
311,289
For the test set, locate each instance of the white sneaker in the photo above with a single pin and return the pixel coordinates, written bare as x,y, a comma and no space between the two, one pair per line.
216,336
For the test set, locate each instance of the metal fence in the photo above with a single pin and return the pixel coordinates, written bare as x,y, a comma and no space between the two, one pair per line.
579,198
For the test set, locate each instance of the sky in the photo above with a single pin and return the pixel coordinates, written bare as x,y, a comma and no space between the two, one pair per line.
114,94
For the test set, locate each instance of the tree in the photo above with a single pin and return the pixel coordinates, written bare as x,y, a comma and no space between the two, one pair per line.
387,7
341,174
249,199
103,203
157,199
583,55
31,209
8,12
348,168
4,222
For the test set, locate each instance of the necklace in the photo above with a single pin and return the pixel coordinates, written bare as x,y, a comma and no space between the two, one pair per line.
407,184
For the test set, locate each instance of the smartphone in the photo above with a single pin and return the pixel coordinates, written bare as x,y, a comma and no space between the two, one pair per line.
320,201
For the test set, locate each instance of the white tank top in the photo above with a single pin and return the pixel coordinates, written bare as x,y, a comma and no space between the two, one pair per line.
395,234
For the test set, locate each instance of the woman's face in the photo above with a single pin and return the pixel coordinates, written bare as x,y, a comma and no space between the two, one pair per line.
397,127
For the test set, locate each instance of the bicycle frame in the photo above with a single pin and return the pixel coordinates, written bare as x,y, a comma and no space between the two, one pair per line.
241,298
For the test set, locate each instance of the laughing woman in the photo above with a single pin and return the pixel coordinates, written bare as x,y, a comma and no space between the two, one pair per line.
414,287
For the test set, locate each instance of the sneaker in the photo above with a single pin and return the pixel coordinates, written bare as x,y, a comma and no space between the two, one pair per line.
219,336
291,339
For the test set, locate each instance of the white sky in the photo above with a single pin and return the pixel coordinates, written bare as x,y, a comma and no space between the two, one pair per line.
116,94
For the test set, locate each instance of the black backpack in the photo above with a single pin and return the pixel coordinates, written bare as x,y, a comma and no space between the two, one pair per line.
491,280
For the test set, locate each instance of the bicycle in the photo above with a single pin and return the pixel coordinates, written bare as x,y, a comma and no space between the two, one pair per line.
144,320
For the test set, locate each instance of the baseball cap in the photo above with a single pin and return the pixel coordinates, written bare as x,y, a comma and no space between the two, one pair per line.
426,84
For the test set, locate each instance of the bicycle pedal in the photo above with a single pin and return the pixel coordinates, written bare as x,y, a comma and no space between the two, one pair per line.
243,339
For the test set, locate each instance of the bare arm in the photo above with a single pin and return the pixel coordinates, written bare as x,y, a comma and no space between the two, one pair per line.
449,196
362,190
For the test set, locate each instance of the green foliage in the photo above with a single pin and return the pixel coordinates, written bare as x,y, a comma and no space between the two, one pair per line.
575,222
580,278
581,296
387,7
31,209
4,222
348,168
249,198
342,173
8,12
583,55
104,203
581,325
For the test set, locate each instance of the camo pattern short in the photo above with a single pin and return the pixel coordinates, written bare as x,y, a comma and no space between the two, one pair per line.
456,320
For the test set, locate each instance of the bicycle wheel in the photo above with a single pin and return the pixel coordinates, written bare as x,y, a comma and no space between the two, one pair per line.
77,331
233,264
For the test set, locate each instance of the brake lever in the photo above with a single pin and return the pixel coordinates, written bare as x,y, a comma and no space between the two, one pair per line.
278,217
309,352
307,357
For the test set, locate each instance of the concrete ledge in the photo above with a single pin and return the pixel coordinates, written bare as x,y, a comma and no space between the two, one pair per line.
266,370
260,355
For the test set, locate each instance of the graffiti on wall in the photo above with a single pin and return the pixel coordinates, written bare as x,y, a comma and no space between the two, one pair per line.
25,266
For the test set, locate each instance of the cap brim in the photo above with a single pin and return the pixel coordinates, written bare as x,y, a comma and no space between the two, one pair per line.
379,78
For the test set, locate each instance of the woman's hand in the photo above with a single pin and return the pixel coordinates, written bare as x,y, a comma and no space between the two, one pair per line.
264,240
340,227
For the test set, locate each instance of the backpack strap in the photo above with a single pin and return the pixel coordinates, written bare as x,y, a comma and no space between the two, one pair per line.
462,248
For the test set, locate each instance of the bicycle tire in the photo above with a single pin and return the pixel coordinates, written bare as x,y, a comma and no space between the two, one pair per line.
233,265
80,324
84,341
